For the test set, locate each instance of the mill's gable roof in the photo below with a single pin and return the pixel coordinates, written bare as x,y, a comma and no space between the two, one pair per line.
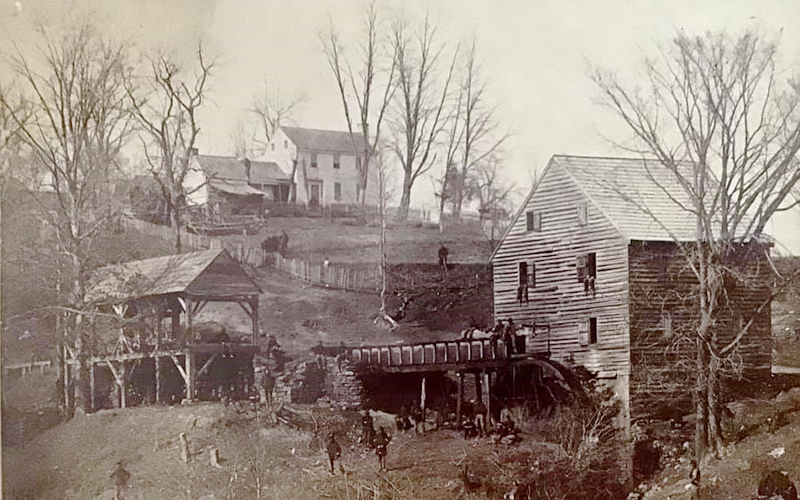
324,140
640,197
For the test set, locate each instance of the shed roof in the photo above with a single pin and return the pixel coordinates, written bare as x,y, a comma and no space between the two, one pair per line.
208,272
323,140
235,187
234,169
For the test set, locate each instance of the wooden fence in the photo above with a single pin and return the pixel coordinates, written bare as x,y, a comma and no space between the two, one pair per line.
333,276
189,241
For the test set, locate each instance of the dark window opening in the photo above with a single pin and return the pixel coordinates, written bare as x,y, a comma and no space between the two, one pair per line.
586,266
529,221
533,221
592,331
313,160
527,278
336,161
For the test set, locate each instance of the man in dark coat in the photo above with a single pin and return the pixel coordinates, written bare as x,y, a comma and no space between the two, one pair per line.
443,252
381,442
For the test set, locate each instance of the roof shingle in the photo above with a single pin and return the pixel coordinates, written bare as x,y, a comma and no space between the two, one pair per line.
233,169
323,140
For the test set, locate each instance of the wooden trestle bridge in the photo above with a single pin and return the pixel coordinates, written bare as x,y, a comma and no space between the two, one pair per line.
484,359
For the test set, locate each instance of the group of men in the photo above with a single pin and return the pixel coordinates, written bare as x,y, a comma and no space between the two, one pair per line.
506,331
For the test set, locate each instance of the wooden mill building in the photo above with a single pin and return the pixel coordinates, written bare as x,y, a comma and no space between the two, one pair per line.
592,265
156,353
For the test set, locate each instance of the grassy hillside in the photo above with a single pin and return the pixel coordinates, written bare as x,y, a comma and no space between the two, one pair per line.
343,241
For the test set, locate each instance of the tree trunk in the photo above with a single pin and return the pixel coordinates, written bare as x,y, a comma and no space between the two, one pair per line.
405,197
175,219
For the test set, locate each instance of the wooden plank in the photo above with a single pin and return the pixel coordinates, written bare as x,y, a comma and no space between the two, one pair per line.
180,368
206,366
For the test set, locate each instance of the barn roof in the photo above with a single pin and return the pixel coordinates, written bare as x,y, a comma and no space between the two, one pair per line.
205,273
323,140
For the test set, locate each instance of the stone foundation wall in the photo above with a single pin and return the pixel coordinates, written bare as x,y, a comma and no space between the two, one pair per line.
332,378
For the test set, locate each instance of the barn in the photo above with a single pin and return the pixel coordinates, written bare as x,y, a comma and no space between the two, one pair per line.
593,267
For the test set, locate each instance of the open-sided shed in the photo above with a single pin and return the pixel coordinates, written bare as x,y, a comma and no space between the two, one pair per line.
143,294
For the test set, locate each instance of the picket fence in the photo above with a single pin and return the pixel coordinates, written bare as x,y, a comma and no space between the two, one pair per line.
189,241
333,276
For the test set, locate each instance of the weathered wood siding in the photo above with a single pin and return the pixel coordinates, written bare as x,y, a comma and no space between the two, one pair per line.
558,299
664,311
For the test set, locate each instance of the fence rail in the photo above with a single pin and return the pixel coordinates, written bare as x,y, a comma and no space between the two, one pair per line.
188,240
332,276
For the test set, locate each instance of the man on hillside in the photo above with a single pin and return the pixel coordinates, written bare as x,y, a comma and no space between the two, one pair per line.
443,252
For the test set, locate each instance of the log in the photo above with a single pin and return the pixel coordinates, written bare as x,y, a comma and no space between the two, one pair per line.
184,448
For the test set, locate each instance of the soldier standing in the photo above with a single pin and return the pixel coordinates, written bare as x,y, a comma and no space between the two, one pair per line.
381,442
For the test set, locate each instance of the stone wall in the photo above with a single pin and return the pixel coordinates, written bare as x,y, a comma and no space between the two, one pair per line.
332,378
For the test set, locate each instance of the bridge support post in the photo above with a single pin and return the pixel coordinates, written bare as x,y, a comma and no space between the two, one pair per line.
487,377
422,398
458,401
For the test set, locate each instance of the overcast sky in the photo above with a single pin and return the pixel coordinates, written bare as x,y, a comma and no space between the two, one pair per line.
535,52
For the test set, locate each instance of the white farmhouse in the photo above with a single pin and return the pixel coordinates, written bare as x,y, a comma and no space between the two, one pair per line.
327,167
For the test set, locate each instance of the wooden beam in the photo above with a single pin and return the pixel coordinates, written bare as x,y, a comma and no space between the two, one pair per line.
114,372
190,376
246,306
206,365
254,306
189,333
460,397
91,387
198,306
158,379
487,379
180,368
422,398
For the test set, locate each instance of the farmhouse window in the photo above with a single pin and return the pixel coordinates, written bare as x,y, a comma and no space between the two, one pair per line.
313,160
336,160
583,214
337,191
586,265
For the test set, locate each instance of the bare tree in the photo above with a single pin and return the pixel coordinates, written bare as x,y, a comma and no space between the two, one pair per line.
166,106
78,123
720,122
419,114
476,128
384,185
273,109
242,139
366,91
494,193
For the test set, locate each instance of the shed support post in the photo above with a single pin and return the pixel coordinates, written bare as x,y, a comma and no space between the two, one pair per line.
122,389
91,386
189,338
190,376
254,307
157,371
